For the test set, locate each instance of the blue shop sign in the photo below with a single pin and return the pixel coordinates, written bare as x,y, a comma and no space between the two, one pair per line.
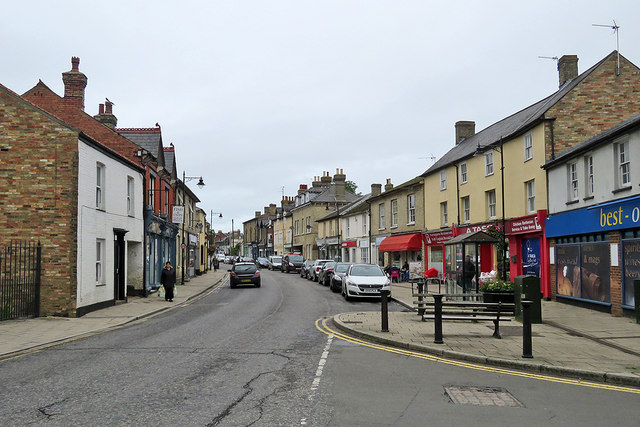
616,215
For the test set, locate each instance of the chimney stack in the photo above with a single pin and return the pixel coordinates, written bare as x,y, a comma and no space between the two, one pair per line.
464,130
316,181
326,179
302,189
339,180
74,84
106,117
388,186
376,189
257,214
567,68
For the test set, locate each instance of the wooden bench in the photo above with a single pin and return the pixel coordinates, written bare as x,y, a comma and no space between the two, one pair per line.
475,311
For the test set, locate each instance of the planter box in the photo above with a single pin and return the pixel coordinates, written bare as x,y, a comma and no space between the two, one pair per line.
504,297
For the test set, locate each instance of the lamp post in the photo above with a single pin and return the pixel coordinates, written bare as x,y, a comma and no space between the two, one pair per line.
200,184
211,237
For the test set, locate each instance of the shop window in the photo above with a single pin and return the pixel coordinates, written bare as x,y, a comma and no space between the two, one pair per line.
631,269
583,268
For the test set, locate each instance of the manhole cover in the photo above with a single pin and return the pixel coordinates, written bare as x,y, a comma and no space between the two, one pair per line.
481,396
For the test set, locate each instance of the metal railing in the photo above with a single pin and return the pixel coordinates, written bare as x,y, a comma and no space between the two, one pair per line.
20,270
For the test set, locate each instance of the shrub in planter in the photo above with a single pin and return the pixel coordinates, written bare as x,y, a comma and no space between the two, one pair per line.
498,291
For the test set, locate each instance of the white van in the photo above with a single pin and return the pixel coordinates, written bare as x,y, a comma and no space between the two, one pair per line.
275,262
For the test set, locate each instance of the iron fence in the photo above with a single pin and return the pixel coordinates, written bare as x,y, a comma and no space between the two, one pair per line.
20,269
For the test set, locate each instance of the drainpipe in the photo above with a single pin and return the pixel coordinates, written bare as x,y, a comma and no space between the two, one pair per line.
457,194
144,237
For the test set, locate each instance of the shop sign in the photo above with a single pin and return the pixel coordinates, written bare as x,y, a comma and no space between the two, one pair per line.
363,243
473,228
193,239
177,216
332,240
528,224
603,217
350,244
439,237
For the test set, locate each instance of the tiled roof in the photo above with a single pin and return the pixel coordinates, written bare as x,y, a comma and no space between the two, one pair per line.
509,126
43,97
148,138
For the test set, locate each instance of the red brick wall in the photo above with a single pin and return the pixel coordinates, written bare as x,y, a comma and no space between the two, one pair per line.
599,102
38,195
615,277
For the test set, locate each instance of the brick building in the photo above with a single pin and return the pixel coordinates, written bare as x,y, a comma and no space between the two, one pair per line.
73,184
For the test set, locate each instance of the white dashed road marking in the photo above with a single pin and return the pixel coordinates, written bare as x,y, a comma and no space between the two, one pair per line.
316,381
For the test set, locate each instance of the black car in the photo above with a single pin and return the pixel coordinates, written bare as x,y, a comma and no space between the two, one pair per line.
304,271
335,278
325,272
292,262
244,273
262,262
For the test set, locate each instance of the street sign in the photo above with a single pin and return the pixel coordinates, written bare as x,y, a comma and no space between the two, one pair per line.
178,215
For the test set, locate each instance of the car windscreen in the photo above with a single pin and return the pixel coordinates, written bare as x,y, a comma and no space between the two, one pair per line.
276,259
341,268
330,264
245,268
296,258
366,270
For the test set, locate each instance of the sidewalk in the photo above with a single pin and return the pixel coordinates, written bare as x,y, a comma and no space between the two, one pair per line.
571,341
21,336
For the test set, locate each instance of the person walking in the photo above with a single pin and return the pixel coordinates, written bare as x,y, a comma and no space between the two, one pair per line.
469,274
168,280
216,263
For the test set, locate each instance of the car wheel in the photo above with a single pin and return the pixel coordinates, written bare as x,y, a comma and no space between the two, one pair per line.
257,285
232,285
346,296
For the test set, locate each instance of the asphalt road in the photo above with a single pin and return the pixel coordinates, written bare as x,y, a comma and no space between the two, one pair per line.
254,356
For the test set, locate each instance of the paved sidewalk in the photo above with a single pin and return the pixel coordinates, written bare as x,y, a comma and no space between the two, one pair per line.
571,341
20,336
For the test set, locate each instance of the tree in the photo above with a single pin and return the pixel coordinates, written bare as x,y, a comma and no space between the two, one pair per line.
351,186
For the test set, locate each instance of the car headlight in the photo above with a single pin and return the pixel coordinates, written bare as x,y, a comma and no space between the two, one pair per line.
388,283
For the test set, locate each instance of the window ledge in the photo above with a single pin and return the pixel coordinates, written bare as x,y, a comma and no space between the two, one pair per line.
620,190
588,198
572,202
383,228
101,284
488,174
411,223
393,226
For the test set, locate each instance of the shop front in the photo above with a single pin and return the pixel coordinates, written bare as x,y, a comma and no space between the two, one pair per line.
529,249
595,255
192,252
402,248
434,246
349,250
160,240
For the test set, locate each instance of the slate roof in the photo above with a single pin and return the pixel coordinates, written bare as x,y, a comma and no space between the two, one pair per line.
400,187
148,138
601,138
511,126
351,208
169,159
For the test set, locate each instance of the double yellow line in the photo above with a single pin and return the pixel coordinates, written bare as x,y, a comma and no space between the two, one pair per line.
322,326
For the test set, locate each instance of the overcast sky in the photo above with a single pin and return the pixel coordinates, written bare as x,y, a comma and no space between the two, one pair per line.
263,94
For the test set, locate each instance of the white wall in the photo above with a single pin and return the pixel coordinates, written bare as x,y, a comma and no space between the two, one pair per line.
96,224
604,165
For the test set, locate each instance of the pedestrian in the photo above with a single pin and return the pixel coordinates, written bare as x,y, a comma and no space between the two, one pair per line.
405,271
469,274
216,264
168,280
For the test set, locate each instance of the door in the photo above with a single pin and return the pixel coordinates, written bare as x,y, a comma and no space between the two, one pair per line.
531,257
119,266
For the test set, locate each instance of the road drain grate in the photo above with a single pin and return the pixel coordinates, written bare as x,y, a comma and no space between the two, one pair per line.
481,396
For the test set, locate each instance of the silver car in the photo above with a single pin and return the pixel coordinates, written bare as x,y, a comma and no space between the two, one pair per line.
364,281
275,262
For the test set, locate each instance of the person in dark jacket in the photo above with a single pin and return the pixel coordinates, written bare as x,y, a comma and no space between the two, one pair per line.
216,264
168,280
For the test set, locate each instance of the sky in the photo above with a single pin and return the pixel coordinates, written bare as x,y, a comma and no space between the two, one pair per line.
260,96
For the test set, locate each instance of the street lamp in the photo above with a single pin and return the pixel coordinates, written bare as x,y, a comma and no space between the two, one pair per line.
200,184
211,240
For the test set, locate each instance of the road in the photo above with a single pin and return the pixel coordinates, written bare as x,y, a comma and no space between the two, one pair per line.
254,356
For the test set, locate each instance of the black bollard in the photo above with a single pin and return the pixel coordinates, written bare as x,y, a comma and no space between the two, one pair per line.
438,319
385,309
420,298
526,330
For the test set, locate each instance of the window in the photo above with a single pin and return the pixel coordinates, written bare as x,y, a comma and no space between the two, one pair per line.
463,173
443,179
324,228
491,203
444,215
411,208
347,220
364,224
364,255
381,215
623,166
100,261
588,166
152,191
572,171
531,196
130,207
528,147
394,213
99,186
466,209
166,200
488,163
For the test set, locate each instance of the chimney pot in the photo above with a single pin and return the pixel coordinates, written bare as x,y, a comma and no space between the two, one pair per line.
100,108
74,84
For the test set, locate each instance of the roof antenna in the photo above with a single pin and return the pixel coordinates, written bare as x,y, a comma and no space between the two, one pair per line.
431,157
616,29
555,58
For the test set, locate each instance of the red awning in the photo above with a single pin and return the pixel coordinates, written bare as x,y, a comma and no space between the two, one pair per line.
403,242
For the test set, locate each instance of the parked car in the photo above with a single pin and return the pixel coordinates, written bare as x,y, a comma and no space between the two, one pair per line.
335,278
275,262
315,269
244,273
364,281
325,271
220,257
228,259
262,262
304,271
292,262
